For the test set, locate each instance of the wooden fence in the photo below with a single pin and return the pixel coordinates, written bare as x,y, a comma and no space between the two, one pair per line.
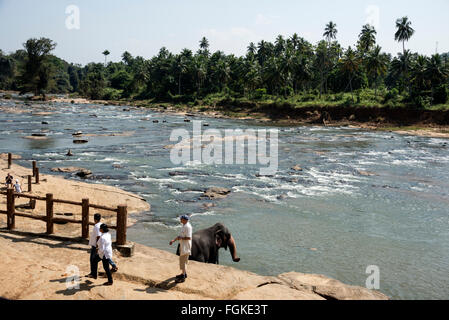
11,195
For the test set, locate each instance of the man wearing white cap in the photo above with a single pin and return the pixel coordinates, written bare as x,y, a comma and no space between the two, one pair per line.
18,187
185,247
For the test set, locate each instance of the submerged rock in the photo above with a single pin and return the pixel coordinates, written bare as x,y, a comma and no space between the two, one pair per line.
296,168
216,193
80,141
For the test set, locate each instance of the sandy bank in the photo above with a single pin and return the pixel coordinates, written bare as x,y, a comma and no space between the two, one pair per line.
34,267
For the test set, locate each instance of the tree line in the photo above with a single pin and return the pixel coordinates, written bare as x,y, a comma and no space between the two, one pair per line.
288,68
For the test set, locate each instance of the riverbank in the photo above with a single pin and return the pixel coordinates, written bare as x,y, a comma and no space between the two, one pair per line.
419,122
34,267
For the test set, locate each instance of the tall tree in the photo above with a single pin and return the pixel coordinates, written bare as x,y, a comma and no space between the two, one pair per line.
367,38
350,65
404,31
377,65
105,53
330,33
36,75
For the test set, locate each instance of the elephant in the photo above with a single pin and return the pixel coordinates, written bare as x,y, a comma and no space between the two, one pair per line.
207,242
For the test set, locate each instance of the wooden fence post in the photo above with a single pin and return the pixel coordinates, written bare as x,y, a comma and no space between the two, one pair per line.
34,168
9,160
49,213
11,209
85,219
122,218
29,183
37,175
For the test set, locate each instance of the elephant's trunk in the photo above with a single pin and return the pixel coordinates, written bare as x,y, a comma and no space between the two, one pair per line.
233,249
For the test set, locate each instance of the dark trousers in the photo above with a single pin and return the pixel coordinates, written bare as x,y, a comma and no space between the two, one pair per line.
105,267
93,266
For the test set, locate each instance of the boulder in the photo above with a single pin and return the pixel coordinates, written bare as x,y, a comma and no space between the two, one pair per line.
329,288
84,173
67,169
296,168
216,193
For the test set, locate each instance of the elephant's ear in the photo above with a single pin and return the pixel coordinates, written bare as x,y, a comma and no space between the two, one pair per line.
219,238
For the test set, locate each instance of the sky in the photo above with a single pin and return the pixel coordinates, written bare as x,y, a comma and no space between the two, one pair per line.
142,27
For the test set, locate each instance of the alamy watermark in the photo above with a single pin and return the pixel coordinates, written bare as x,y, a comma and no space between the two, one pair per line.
373,280
213,148
72,282
72,22
373,16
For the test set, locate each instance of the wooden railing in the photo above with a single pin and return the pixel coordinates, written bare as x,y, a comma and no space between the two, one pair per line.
11,195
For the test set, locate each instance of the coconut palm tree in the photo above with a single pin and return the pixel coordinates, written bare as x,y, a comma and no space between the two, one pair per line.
436,71
367,38
105,53
377,64
204,46
404,31
350,65
330,32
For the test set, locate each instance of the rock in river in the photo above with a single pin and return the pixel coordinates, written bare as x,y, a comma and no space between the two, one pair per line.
216,193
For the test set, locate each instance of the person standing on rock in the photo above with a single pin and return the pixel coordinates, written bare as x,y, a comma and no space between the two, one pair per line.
185,247
104,253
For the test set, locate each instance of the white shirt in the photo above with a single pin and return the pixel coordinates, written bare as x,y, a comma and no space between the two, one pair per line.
105,246
18,188
95,233
186,245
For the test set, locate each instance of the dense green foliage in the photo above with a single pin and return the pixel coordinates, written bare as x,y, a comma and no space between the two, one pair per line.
291,70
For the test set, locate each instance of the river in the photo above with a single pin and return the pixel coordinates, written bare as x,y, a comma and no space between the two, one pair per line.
364,198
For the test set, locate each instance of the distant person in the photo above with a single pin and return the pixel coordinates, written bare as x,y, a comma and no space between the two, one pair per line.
9,178
18,187
104,253
185,247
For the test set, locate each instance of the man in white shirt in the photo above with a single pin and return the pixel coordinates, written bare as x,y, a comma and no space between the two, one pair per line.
94,236
18,187
185,247
105,252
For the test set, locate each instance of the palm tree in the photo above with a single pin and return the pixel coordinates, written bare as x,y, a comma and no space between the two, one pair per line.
252,48
419,73
400,66
204,46
106,53
404,31
330,32
377,64
436,71
367,38
350,64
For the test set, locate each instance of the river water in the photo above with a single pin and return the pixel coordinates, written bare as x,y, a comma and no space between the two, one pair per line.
331,218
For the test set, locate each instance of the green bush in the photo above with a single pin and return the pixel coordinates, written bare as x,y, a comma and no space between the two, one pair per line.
111,94
392,95
440,95
259,93
423,101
